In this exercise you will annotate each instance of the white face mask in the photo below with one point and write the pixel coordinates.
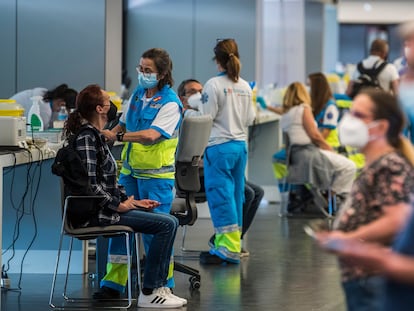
(353, 131)
(194, 101)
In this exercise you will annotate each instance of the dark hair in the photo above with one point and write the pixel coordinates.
(163, 63)
(181, 87)
(320, 92)
(86, 102)
(62, 92)
(227, 55)
(386, 107)
(379, 47)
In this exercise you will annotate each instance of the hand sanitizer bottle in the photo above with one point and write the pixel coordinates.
(34, 119)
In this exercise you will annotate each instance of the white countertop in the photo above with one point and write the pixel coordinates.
(264, 116)
(31, 154)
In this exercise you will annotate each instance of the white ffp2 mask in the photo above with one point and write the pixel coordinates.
(353, 131)
(194, 101)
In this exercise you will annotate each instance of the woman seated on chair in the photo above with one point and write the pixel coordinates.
(92, 107)
(313, 159)
(327, 114)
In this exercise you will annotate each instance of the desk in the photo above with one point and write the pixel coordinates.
(41, 257)
(265, 138)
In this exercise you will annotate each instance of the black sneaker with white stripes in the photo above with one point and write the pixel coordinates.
(160, 298)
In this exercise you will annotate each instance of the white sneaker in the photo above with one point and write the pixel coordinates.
(169, 293)
(159, 299)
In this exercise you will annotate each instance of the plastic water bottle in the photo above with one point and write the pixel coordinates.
(63, 114)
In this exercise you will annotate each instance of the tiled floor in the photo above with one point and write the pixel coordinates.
(285, 271)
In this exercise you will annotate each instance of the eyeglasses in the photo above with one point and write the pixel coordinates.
(146, 72)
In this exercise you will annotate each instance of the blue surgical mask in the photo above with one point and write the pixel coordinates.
(148, 80)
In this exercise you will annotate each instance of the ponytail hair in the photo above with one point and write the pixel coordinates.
(72, 124)
(227, 55)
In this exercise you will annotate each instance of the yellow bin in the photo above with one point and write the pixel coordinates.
(10, 108)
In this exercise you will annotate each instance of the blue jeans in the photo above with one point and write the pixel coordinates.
(364, 294)
(163, 228)
(157, 189)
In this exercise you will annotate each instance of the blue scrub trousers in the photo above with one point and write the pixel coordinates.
(224, 170)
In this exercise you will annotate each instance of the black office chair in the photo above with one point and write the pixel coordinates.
(193, 139)
(90, 233)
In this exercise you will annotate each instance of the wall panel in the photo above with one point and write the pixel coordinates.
(60, 41)
(8, 47)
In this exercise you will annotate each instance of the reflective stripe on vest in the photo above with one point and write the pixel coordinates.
(155, 161)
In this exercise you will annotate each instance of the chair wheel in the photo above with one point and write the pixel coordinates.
(195, 282)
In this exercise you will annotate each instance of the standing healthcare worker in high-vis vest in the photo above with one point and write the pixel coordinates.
(149, 129)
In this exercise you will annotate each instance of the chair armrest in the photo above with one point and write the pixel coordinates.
(185, 210)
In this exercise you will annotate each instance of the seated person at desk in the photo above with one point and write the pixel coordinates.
(92, 110)
(328, 110)
(323, 168)
(60, 96)
(189, 92)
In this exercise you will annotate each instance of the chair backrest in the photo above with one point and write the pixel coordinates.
(193, 139)
(90, 232)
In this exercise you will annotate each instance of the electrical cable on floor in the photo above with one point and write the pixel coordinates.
(40, 163)
(20, 211)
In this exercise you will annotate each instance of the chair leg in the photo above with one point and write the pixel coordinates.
(137, 246)
(332, 203)
(183, 238)
(194, 252)
(67, 269)
(129, 290)
(52, 290)
(320, 201)
(84, 300)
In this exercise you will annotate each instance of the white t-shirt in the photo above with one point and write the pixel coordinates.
(292, 124)
(230, 104)
(166, 120)
(387, 75)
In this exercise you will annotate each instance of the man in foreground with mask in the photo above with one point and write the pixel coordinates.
(379, 203)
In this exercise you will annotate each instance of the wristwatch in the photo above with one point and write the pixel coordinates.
(120, 136)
